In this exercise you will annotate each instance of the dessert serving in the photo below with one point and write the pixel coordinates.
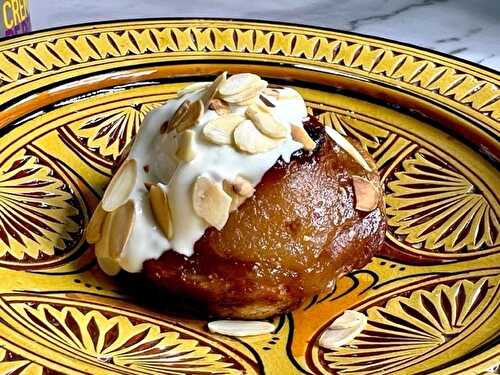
(231, 196)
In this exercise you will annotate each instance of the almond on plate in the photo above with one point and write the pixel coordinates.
(120, 187)
(239, 191)
(214, 88)
(176, 117)
(120, 229)
(196, 86)
(158, 199)
(249, 139)
(238, 83)
(219, 106)
(343, 330)
(211, 202)
(347, 146)
(240, 328)
(366, 193)
(266, 123)
(186, 150)
(300, 135)
(220, 130)
(94, 227)
(193, 114)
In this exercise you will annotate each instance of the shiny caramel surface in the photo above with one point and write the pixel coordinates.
(290, 240)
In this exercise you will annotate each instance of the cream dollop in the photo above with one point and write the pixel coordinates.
(157, 163)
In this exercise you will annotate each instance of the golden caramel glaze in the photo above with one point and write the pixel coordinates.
(292, 239)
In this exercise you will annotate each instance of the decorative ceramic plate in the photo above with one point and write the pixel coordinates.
(71, 100)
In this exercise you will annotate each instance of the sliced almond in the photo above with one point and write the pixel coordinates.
(340, 334)
(161, 210)
(243, 187)
(210, 202)
(287, 93)
(366, 193)
(176, 117)
(193, 114)
(236, 199)
(249, 139)
(109, 266)
(94, 227)
(186, 150)
(102, 246)
(220, 107)
(220, 130)
(349, 319)
(214, 88)
(122, 224)
(271, 92)
(239, 191)
(250, 101)
(266, 123)
(247, 95)
(300, 135)
(240, 328)
(120, 187)
(238, 83)
(193, 87)
(347, 147)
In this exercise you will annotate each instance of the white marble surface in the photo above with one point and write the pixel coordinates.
(469, 29)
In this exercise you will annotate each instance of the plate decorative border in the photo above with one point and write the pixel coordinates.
(51, 296)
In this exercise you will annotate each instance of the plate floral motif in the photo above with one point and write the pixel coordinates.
(38, 216)
(409, 329)
(72, 100)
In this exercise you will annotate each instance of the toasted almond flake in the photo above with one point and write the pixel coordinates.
(250, 101)
(238, 83)
(349, 319)
(193, 114)
(197, 86)
(243, 187)
(220, 130)
(122, 224)
(158, 199)
(239, 191)
(284, 94)
(120, 187)
(300, 135)
(347, 147)
(186, 150)
(249, 139)
(220, 107)
(271, 92)
(247, 95)
(266, 123)
(236, 199)
(94, 227)
(179, 113)
(102, 246)
(109, 266)
(214, 88)
(366, 193)
(240, 328)
(343, 332)
(210, 202)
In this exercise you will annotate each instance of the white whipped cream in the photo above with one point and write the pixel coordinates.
(155, 152)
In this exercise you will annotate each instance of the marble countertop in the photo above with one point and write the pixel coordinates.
(463, 28)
